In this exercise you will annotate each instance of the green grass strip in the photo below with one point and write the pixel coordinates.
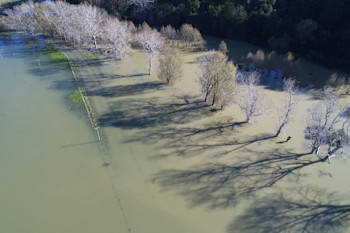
(75, 97)
(56, 54)
(89, 55)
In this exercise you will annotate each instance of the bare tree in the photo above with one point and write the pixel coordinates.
(117, 35)
(289, 102)
(217, 77)
(250, 99)
(91, 22)
(328, 126)
(151, 42)
(170, 66)
(22, 17)
(64, 19)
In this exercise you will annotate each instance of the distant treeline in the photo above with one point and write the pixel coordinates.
(318, 29)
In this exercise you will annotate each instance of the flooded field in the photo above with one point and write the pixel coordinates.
(175, 164)
(52, 175)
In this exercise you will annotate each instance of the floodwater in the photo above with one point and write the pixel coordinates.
(52, 177)
(176, 165)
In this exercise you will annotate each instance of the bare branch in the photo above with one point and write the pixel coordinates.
(250, 99)
(290, 100)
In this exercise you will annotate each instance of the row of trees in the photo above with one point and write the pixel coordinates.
(81, 24)
(86, 24)
(328, 122)
(217, 77)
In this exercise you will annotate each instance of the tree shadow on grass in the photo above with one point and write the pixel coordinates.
(218, 185)
(310, 210)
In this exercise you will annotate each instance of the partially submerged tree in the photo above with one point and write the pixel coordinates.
(22, 18)
(328, 126)
(151, 42)
(91, 22)
(217, 77)
(170, 66)
(290, 90)
(250, 98)
(46, 19)
(64, 15)
(117, 36)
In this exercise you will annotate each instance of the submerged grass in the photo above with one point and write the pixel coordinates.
(89, 55)
(75, 97)
(56, 54)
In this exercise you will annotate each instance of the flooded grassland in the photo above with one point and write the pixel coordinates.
(175, 164)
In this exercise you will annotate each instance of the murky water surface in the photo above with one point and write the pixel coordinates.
(52, 175)
(176, 165)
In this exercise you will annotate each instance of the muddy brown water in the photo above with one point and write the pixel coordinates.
(176, 165)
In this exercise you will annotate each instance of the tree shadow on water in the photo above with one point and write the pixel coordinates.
(125, 90)
(310, 210)
(218, 185)
(217, 138)
(151, 112)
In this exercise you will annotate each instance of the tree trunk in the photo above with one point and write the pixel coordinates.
(280, 129)
(95, 42)
(150, 65)
(206, 97)
(214, 99)
(285, 119)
